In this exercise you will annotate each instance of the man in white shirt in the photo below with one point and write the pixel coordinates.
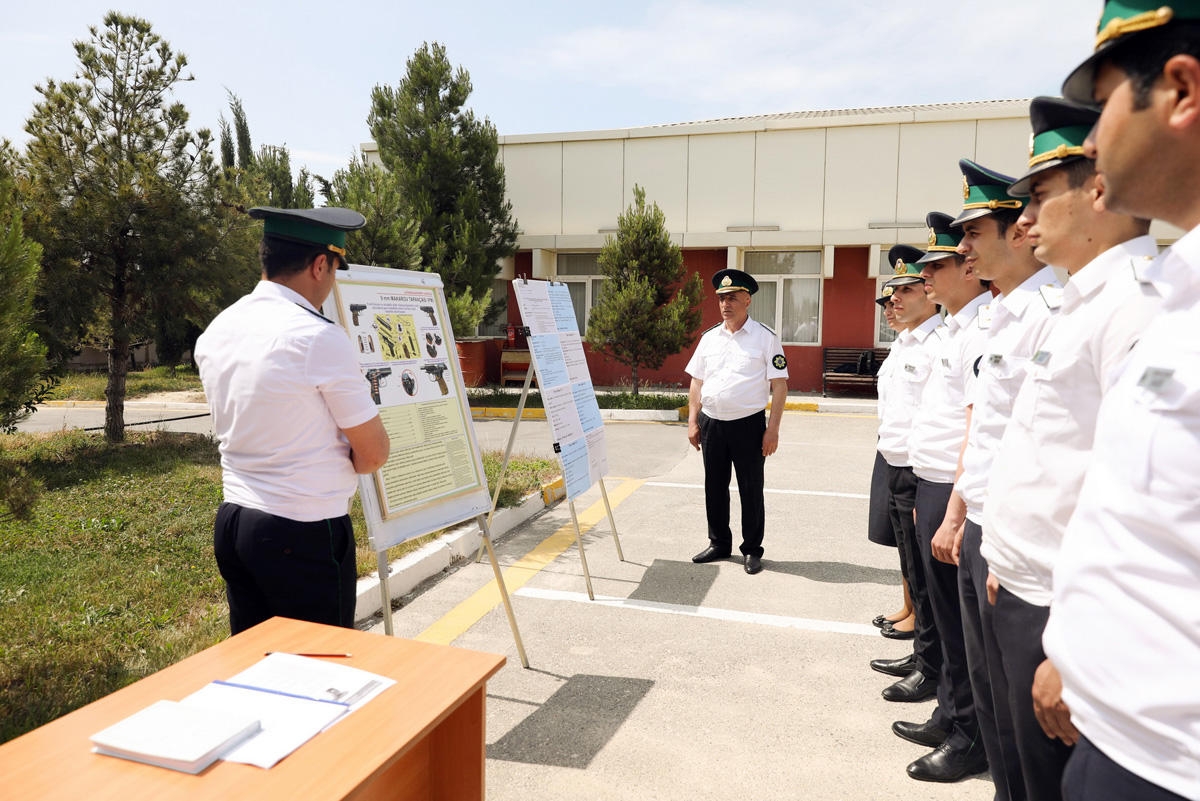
(1038, 469)
(995, 244)
(736, 366)
(1124, 626)
(933, 447)
(296, 422)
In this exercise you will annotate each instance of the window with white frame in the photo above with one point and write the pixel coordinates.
(789, 293)
(884, 335)
(581, 273)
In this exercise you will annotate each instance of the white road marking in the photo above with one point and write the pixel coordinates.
(853, 495)
(778, 621)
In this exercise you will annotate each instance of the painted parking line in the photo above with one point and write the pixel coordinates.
(733, 487)
(469, 612)
(730, 615)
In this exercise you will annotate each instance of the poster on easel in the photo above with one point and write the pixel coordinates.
(434, 477)
(556, 351)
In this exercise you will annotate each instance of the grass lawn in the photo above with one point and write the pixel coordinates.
(114, 578)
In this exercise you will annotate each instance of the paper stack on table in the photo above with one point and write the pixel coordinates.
(176, 735)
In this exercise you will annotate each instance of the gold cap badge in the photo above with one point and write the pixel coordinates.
(726, 281)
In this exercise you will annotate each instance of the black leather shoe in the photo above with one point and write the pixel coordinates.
(710, 554)
(926, 734)
(881, 622)
(947, 764)
(896, 634)
(753, 564)
(913, 687)
(895, 667)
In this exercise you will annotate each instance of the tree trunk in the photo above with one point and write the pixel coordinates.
(118, 365)
(635, 380)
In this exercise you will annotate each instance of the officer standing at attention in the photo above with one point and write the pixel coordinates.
(737, 364)
(1123, 630)
(296, 422)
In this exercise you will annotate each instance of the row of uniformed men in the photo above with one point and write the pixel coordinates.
(1041, 444)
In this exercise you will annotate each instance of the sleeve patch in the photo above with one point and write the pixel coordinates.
(779, 362)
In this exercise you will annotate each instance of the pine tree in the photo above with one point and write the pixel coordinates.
(446, 166)
(647, 311)
(389, 239)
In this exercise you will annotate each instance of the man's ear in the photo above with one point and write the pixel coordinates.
(1181, 77)
(1018, 233)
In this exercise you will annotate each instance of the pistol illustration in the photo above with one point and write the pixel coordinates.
(429, 310)
(383, 323)
(377, 377)
(408, 382)
(355, 308)
(436, 372)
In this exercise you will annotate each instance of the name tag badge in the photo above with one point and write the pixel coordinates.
(995, 359)
(910, 368)
(1041, 358)
(1155, 378)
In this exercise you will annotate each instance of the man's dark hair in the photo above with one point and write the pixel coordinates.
(1078, 171)
(1004, 218)
(1143, 57)
(282, 257)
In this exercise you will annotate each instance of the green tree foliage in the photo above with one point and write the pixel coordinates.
(23, 367)
(390, 238)
(447, 170)
(122, 197)
(647, 311)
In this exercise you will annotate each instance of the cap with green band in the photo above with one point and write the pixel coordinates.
(943, 237)
(906, 260)
(1059, 129)
(984, 191)
(1120, 23)
(325, 226)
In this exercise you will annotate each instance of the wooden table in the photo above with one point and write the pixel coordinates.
(422, 738)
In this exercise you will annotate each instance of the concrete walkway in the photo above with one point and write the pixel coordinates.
(685, 681)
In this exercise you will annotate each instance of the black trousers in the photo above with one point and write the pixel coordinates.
(274, 566)
(727, 447)
(955, 701)
(989, 686)
(927, 648)
(1018, 628)
(1091, 776)
(880, 529)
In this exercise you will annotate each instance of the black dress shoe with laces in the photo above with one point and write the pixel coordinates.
(895, 667)
(913, 687)
(927, 734)
(948, 764)
(710, 554)
(753, 564)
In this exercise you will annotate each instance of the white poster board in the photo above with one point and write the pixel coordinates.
(434, 476)
(565, 383)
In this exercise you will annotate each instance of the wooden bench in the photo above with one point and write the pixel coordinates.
(840, 368)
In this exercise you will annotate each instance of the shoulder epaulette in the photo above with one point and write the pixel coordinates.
(983, 318)
(318, 315)
(1052, 295)
(1140, 266)
(711, 327)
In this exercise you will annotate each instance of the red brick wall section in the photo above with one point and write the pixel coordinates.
(849, 321)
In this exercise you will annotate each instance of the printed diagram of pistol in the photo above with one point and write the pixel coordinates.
(437, 375)
(431, 343)
(377, 377)
(397, 336)
(366, 343)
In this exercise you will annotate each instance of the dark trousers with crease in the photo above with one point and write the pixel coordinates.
(728, 447)
(927, 648)
(274, 566)
(955, 701)
(1092, 775)
(989, 685)
(1018, 627)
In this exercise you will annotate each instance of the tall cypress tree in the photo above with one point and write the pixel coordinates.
(446, 166)
(647, 310)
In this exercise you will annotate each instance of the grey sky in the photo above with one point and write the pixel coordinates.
(305, 70)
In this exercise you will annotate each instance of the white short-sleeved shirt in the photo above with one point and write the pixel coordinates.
(1019, 320)
(281, 381)
(914, 362)
(736, 369)
(938, 431)
(1124, 627)
(886, 373)
(1038, 469)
